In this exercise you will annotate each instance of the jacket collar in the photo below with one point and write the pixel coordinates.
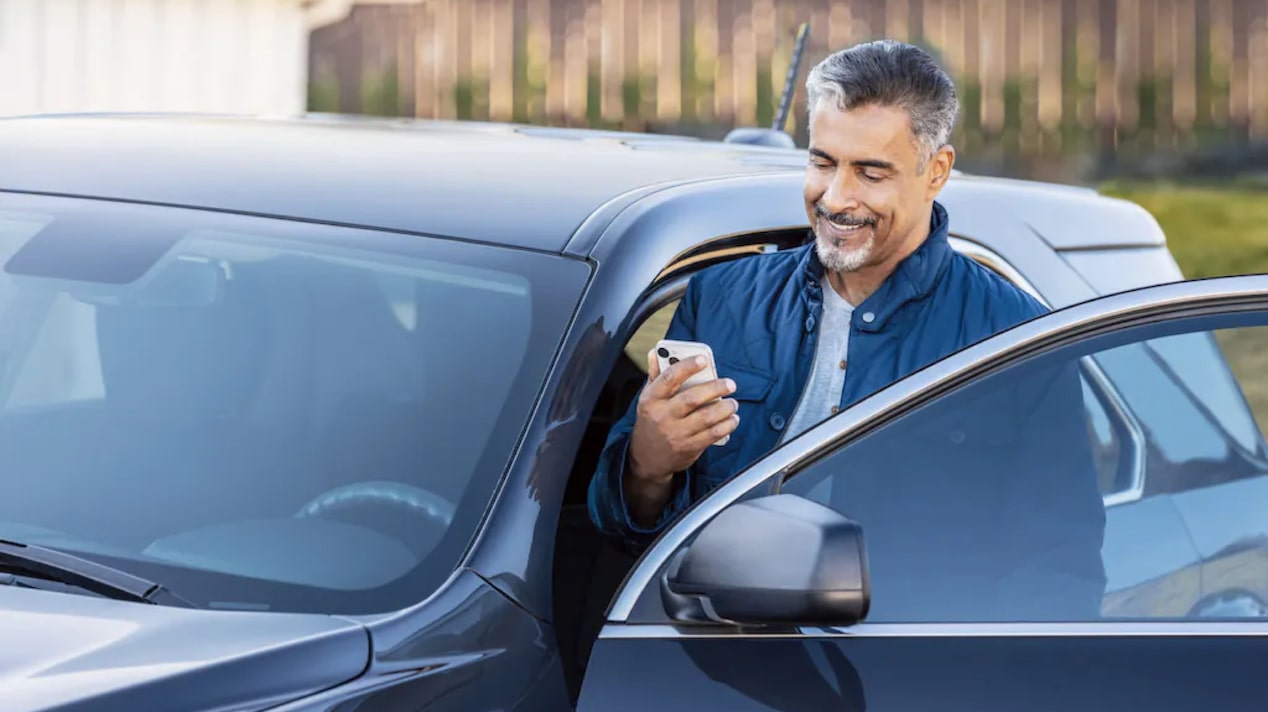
(914, 278)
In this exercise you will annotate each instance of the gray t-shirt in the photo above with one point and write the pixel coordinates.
(827, 376)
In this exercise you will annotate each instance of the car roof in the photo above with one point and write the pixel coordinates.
(509, 184)
(500, 183)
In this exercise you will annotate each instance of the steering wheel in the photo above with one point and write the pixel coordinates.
(413, 500)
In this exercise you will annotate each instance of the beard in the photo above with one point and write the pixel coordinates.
(839, 258)
(835, 254)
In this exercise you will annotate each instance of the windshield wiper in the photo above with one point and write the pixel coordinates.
(51, 565)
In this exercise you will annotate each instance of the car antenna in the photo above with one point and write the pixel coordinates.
(775, 135)
(790, 85)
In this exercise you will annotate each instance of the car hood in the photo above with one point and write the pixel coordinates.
(69, 652)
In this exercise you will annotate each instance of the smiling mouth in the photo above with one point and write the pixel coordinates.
(839, 232)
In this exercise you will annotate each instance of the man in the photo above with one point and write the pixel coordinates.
(801, 334)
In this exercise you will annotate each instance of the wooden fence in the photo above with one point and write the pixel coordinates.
(1037, 77)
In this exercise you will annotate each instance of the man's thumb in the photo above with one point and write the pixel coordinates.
(653, 366)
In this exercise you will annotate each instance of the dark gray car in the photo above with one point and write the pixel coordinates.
(299, 415)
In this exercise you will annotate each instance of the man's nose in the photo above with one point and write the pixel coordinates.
(841, 195)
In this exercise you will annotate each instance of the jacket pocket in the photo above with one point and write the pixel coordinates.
(750, 385)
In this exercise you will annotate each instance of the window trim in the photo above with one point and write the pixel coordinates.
(661, 294)
(1137, 447)
(1116, 629)
(1173, 301)
(993, 261)
(725, 248)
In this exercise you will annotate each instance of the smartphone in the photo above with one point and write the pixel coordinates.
(670, 352)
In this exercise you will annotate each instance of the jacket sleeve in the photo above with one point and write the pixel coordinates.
(606, 496)
(1054, 517)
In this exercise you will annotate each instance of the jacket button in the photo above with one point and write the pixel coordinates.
(777, 421)
(810, 323)
(869, 317)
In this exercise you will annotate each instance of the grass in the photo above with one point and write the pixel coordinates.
(1212, 230)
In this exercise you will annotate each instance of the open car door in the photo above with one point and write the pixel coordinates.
(1072, 514)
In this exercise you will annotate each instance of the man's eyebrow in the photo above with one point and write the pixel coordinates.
(873, 163)
(861, 163)
(818, 153)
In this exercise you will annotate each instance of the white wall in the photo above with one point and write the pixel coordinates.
(237, 56)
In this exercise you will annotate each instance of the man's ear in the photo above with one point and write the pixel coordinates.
(939, 170)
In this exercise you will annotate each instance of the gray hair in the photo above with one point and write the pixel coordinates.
(895, 74)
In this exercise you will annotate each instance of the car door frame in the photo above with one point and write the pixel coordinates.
(628, 615)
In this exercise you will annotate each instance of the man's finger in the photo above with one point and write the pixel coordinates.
(692, 398)
(653, 366)
(710, 415)
(672, 378)
(709, 436)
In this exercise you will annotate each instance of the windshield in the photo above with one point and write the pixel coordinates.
(262, 414)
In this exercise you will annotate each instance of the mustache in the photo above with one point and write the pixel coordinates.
(843, 219)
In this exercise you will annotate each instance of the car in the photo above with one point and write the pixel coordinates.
(299, 414)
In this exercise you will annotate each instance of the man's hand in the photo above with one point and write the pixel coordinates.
(671, 430)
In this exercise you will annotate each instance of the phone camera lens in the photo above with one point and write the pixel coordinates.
(662, 352)
(672, 361)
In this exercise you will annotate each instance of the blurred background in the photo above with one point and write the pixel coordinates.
(1161, 101)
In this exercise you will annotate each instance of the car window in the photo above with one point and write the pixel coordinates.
(984, 503)
(258, 413)
(1194, 359)
(1196, 363)
(1109, 438)
(1185, 446)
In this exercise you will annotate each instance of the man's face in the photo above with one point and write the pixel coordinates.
(865, 189)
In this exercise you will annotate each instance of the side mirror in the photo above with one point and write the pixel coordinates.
(779, 559)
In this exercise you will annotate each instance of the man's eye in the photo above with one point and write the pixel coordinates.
(873, 177)
(821, 165)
